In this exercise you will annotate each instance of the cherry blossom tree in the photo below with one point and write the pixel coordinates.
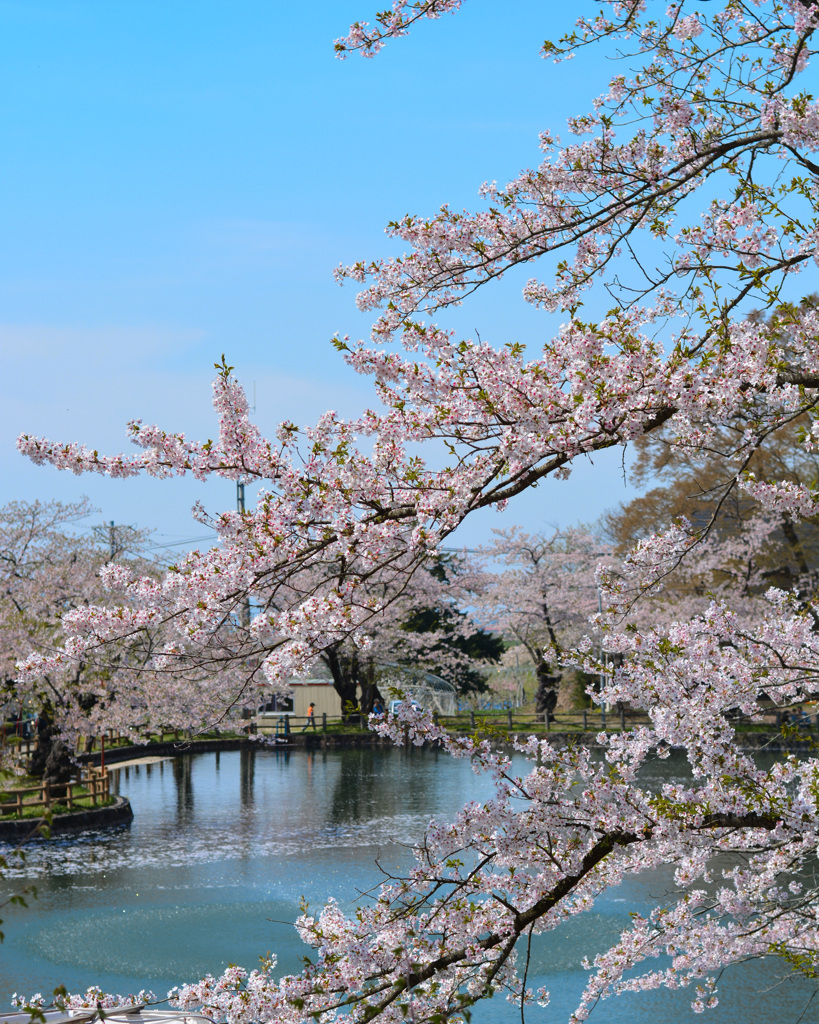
(46, 568)
(743, 548)
(685, 199)
(542, 595)
(49, 568)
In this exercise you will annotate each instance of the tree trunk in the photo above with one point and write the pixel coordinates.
(546, 697)
(350, 676)
(369, 689)
(343, 681)
(51, 760)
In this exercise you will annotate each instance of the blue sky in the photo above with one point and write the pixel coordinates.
(180, 181)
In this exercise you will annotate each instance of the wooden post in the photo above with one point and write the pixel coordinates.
(509, 716)
(603, 719)
(102, 753)
(472, 720)
(323, 721)
(585, 722)
(19, 803)
(622, 720)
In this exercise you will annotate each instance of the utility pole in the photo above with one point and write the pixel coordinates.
(604, 655)
(244, 606)
(109, 533)
(244, 609)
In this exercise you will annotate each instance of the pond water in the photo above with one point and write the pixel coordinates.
(224, 846)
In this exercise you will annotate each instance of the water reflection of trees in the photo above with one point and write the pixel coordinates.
(247, 775)
(373, 782)
(182, 774)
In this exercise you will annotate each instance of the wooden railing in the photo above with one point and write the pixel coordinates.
(95, 782)
(601, 720)
(23, 746)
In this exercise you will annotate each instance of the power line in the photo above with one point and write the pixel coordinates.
(178, 543)
(109, 532)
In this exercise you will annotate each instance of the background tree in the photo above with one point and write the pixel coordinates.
(460, 650)
(542, 594)
(46, 569)
(743, 547)
(53, 565)
(423, 626)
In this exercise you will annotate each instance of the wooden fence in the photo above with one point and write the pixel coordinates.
(512, 720)
(95, 782)
(108, 740)
(594, 719)
(283, 724)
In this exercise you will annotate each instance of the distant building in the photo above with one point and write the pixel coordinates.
(320, 692)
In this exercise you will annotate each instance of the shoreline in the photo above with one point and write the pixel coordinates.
(117, 813)
(772, 740)
(121, 812)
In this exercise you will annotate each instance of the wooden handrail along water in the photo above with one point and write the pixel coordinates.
(95, 781)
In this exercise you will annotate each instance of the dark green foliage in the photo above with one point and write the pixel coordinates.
(476, 646)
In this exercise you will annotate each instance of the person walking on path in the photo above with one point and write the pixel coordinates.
(311, 718)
